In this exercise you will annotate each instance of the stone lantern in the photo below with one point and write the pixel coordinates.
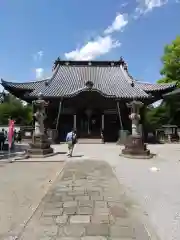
(40, 146)
(135, 146)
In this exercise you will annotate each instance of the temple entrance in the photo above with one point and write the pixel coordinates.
(111, 127)
(65, 126)
(89, 123)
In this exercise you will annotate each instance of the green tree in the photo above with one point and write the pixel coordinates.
(168, 112)
(13, 107)
(156, 117)
(171, 63)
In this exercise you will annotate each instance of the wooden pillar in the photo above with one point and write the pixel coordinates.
(119, 114)
(33, 112)
(102, 122)
(74, 122)
(59, 112)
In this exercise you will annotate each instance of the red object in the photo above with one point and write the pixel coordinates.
(10, 132)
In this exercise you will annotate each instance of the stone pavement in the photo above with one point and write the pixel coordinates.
(86, 202)
(157, 193)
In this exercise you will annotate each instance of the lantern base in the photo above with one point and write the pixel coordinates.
(40, 147)
(136, 148)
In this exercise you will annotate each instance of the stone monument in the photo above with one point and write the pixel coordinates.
(135, 146)
(40, 146)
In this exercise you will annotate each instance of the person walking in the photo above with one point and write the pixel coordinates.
(71, 140)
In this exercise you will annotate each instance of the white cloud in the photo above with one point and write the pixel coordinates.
(118, 24)
(150, 4)
(145, 6)
(124, 4)
(38, 56)
(103, 44)
(39, 73)
(93, 49)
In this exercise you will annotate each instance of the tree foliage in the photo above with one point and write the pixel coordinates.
(168, 112)
(156, 117)
(13, 107)
(171, 63)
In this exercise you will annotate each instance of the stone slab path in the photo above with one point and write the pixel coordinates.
(86, 202)
(156, 192)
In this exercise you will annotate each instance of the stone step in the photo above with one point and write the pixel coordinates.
(89, 141)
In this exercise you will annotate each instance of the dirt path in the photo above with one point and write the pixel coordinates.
(22, 186)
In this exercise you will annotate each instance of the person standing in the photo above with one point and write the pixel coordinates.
(19, 137)
(71, 140)
(2, 139)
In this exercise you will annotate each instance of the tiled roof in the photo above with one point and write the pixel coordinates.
(150, 87)
(110, 79)
(24, 86)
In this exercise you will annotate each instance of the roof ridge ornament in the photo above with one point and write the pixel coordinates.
(56, 63)
(125, 67)
(89, 85)
(123, 64)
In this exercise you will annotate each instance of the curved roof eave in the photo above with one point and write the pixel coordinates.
(103, 94)
(85, 89)
(155, 87)
(77, 92)
(28, 86)
(175, 92)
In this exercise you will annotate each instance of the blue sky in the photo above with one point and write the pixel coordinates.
(35, 32)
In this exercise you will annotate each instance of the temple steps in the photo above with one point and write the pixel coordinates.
(89, 141)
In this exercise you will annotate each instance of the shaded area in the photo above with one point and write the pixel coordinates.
(18, 150)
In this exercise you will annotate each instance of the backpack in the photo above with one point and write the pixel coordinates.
(74, 139)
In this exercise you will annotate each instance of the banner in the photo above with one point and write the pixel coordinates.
(11, 132)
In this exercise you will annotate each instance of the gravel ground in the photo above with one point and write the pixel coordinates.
(157, 192)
